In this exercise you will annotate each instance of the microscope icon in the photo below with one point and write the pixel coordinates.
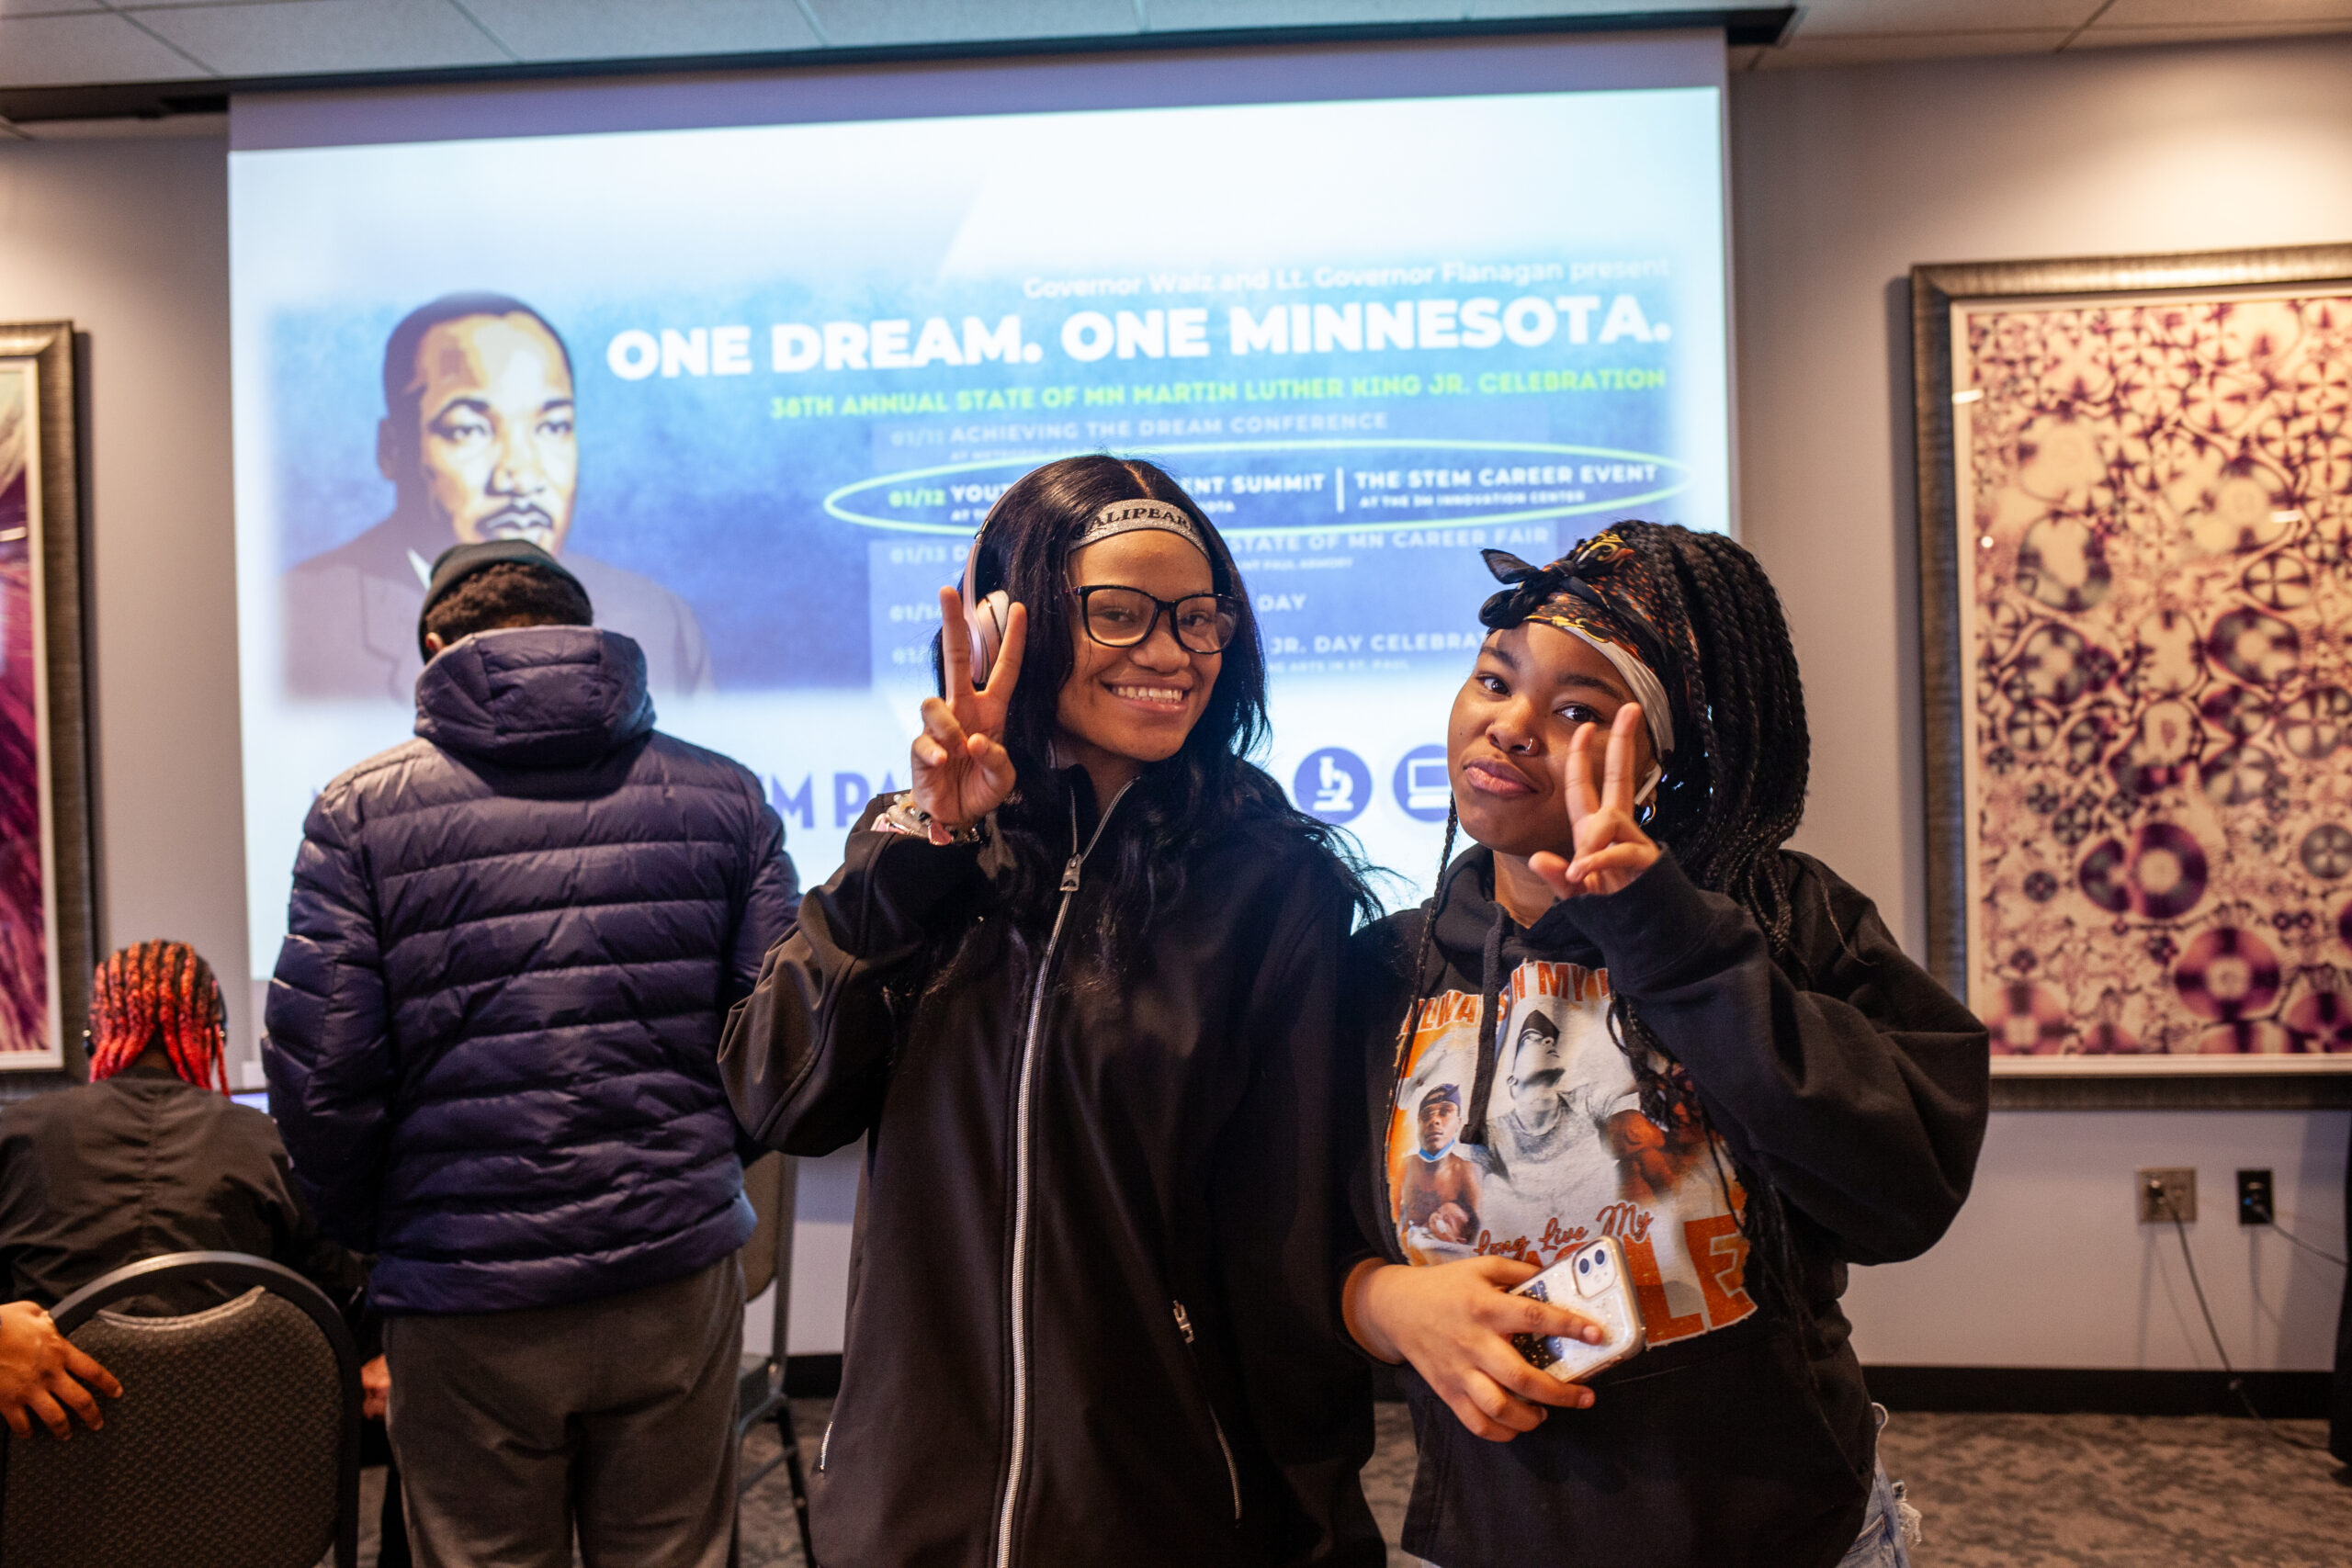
(1332, 783)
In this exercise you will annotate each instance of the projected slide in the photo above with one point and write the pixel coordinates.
(758, 386)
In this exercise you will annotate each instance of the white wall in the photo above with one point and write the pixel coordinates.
(128, 238)
(1842, 180)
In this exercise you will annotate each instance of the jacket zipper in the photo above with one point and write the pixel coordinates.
(1232, 1473)
(1019, 1285)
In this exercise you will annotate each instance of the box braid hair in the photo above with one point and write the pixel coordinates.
(1698, 610)
(1733, 797)
(159, 990)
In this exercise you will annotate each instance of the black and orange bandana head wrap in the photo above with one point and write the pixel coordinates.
(1601, 593)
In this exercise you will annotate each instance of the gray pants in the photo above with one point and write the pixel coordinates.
(616, 1415)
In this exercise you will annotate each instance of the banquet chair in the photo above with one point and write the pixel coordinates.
(235, 1443)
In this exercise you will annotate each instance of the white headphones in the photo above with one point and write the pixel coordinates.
(987, 615)
(984, 617)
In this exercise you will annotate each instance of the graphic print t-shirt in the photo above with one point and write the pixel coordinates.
(1570, 1155)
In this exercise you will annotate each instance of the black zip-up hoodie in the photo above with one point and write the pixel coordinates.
(1860, 1095)
(1173, 1386)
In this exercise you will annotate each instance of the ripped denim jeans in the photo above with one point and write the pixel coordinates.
(1891, 1528)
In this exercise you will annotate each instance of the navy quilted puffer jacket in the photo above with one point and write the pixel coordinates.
(512, 945)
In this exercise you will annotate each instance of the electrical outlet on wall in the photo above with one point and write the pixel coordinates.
(2257, 1205)
(2178, 1186)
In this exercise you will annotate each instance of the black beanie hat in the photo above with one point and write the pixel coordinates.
(458, 562)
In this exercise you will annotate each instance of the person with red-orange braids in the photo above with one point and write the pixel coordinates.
(152, 1156)
(159, 992)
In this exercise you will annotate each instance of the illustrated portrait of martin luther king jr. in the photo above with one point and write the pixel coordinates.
(480, 442)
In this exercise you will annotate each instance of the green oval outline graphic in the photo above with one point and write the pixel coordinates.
(1340, 523)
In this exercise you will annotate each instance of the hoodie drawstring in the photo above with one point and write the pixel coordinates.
(1490, 985)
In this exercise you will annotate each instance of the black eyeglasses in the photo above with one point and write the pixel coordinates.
(1125, 617)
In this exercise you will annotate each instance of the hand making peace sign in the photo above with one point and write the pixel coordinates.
(962, 771)
(1611, 848)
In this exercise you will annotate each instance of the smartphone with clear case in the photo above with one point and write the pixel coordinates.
(1591, 1280)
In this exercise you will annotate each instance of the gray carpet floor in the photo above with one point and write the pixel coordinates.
(2121, 1491)
(1997, 1491)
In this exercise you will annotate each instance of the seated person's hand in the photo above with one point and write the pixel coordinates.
(37, 1369)
(375, 1388)
(1453, 1322)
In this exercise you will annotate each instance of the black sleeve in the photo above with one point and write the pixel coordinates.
(1282, 1227)
(1373, 1000)
(298, 1243)
(770, 898)
(805, 1057)
(19, 1202)
(1861, 1095)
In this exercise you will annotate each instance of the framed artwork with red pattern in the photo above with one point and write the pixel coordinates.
(2135, 535)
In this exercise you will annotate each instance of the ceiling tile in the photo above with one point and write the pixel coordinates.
(46, 7)
(1208, 15)
(2118, 38)
(864, 23)
(627, 30)
(1853, 49)
(62, 51)
(1872, 17)
(2220, 13)
(297, 36)
(1479, 10)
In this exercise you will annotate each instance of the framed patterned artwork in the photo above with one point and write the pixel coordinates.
(2135, 541)
(45, 873)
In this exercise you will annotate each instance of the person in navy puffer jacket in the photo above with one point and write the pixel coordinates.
(512, 945)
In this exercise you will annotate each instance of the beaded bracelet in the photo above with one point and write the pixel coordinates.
(903, 816)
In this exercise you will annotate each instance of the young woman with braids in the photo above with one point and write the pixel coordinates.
(150, 1155)
(1734, 1070)
(1077, 991)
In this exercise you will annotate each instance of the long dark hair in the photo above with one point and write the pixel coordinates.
(1209, 788)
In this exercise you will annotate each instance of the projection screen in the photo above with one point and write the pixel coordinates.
(1376, 309)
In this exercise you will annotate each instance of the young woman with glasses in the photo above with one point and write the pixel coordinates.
(1077, 988)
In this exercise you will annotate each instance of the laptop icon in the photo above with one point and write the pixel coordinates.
(1426, 788)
